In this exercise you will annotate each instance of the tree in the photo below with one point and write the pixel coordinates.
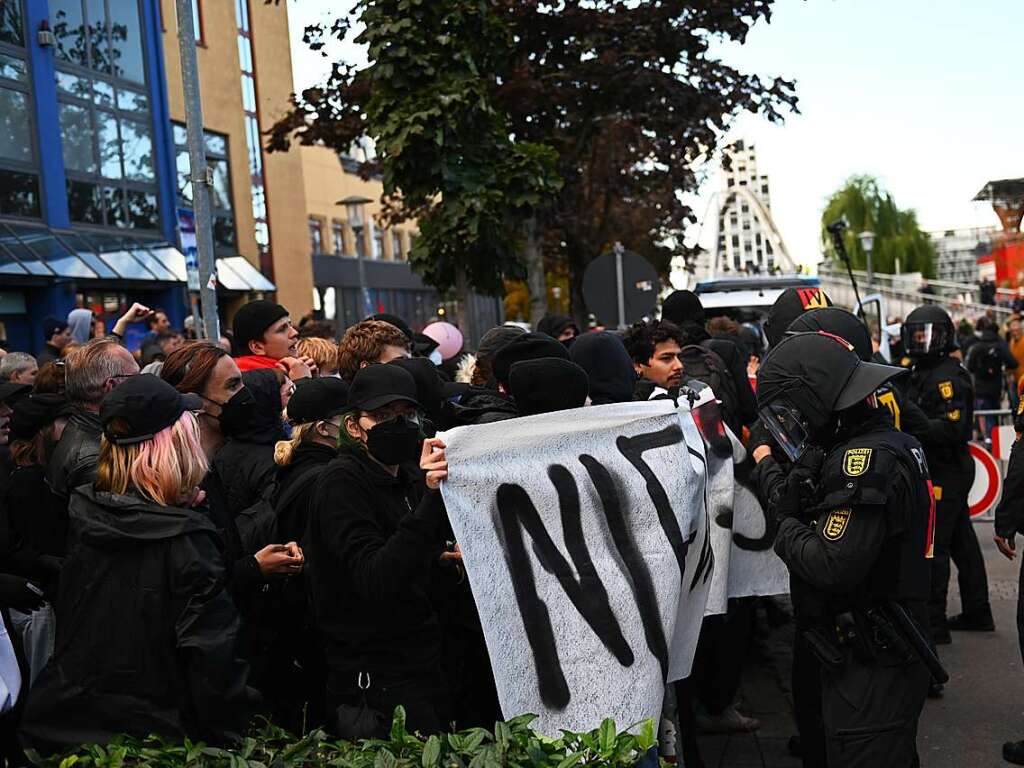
(898, 238)
(446, 156)
(585, 120)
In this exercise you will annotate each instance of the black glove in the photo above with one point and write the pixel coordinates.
(20, 594)
(759, 436)
(801, 486)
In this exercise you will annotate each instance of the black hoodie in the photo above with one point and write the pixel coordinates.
(608, 365)
(146, 634)
(245, 463)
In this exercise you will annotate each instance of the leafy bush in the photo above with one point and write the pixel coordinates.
(510, 745)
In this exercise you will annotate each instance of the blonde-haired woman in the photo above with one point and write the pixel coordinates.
(146, 634)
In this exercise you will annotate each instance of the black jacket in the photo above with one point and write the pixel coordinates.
(245, 463)
(146, 634)
(370, 551)
(47, 354)
(480, 405)
(73, 462)
(1010, 512)
(296, 484)
(983, 385)
(735, 359)
(943, 390)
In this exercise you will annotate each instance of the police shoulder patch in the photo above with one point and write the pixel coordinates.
(856, 461)
(1020, 406)
(946, 390)
(835, 524)
(954, 415)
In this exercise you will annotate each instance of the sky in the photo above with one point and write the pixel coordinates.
(923, 94)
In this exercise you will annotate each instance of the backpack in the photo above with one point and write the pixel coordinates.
(706, 366)
(985, 362)
(257, 524)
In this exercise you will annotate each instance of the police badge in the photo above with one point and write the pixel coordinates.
(835, 524)
(946, 390)
(856, 461)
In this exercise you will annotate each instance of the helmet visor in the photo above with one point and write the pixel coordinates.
(788, 426)
(925, 338)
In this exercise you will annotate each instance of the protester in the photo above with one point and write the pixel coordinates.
(18, 368)
(80, 325)
(91, 372)
(608, 366)
(323, 352)
(526, 346)
(245, 462)
(987, 360)
(264, 337)
(560, 327)
(371, 341)
(372, 542)
(57, 335)
(146, 634)
(654, 348)
(479, 370)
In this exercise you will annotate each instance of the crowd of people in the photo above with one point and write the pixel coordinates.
(202, 532)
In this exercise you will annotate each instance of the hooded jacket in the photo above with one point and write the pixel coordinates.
(245, 463)
(80, 323)
(73, 462)
(480, 405)
(146, 634)
(371, 544)
(608, 365)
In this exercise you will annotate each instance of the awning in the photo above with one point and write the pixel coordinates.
(235, 273)
(86, 255)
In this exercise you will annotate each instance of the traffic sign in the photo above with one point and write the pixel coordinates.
(988, 481)
(620, 287)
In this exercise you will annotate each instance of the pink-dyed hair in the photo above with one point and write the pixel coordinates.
(162, 469)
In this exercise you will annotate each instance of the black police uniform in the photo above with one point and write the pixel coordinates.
(865, 550)
(942, 387)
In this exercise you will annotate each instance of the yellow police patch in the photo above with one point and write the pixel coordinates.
(1020, 406)
(835, 524)
(906, 362)
(946, 390)
(954, 415)
(856, 461)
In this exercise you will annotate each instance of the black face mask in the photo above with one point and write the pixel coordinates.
(395, 441)
(236, 413)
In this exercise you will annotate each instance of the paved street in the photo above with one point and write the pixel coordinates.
(983, 706)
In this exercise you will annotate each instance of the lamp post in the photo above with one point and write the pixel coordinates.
(354, 206)
(867, 242)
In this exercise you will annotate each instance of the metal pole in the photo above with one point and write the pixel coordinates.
(202, 175)
(364, 292)
(621, 289)
(871, 272)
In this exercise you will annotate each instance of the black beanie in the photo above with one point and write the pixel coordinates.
(528, 346)
(681, 307)
(394, 320)
(548, 384)
(792, 303)
(252, 320)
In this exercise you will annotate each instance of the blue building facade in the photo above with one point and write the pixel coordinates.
(88, 198)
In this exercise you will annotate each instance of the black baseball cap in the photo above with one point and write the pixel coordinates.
(11, 391)
(318, 399)
(143, 405)
(378, 385)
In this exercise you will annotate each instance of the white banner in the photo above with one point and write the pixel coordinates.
(585, 537)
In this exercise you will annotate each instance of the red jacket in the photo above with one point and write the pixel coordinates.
(254, 362)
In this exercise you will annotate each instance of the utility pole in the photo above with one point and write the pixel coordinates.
(201, 174)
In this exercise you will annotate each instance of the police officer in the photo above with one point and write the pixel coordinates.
(854, 529)
(943, 389)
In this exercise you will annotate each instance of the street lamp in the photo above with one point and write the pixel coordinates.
(354, 206)
(867, 242)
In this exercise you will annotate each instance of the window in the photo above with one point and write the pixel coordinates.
(261, 223)
(225, 237)
(338, 237)
(316, 236)
(197, 21)
(396, 245)
(106, 126)
(19, 178)
(764, 189)
(378, 243)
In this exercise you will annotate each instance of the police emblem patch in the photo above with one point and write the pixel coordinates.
(954, 415)
(856, 461)
(946, 390)
(1020, 406)
(835, 524)
(813, 298)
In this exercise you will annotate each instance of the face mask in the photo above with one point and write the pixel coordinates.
(395, 441)
(236, 413)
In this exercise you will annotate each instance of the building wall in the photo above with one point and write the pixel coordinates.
(220, 79)
(957, 252)
(743, 244)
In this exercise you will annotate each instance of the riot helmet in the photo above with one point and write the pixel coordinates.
(928, 332)
(835, 320)
(792, 303)
(805, 380)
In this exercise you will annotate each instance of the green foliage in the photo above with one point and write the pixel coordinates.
(897, 235)
(510, 745)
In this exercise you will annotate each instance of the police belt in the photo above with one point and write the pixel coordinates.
(885, 632)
